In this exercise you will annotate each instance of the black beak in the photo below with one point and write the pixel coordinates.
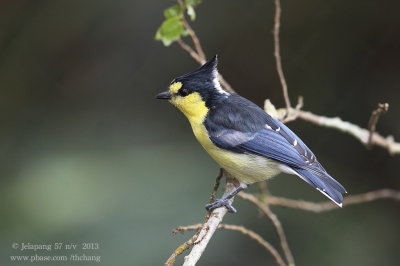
(164, 95)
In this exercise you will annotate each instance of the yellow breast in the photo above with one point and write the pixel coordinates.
(244, 167)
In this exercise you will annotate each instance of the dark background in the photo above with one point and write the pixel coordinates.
(88, 155)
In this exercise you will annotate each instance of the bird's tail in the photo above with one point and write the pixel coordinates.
(324, 183)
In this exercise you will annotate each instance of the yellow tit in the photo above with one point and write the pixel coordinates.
(242, 138)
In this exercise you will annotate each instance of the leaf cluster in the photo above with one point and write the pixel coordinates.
(173, 28)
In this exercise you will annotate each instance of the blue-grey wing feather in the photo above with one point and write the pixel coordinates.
(248, 129)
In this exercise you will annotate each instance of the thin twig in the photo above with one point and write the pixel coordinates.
(225, 84)
(247, 232)
(359, 133)
(182, 229)
(216, 185)
(193, 36)
(190, 50)
(198, 52)
(189, 243)
(372, 138)
(373, 120)
(356, 131)
(179, 250)
(277, 54)
(294, 115)
(328, 205)
(253, 235)
(195, 40)
(263, 186)
(264, 208)
(208, 229)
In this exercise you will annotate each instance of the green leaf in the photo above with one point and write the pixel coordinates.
(191, 13)
(170, 30)
(192, 2)
(173, 11)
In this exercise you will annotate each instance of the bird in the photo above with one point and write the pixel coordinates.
(242, 138)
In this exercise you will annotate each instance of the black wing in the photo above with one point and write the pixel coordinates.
(241, 126)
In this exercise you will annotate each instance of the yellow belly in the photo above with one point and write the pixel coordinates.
(244, 167)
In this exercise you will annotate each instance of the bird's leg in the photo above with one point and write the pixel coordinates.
(225, 200)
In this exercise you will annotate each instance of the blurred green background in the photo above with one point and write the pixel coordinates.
(88, 155)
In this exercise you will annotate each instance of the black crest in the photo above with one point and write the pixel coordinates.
(204, 80)
(203, 74)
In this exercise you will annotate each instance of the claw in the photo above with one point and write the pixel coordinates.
(220, 203)
(225, 201)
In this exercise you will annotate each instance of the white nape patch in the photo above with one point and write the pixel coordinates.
(295, 142)
(268, 127)
(286, 169)
(278, 129)
(217, 85)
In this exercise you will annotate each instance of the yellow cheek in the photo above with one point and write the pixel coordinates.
(193, 107)
(174, 87)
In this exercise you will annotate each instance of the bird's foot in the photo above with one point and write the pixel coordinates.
(220, 203)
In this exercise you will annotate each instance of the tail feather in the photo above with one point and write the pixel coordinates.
(325, 184)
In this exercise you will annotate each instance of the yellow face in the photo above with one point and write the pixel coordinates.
(191, 105)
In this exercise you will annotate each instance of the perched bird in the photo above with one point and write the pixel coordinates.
(242, 138)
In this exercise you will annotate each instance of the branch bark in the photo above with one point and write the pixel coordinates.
(277, 54)
(179, 250)
(207, 230)
(264, 208)
(189, 243)
(373, 120)
(356, 131)
(247, 232)
(328, 205)
(361, 134)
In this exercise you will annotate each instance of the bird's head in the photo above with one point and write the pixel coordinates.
(196, 92)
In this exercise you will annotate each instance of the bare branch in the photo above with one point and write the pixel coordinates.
(367, 138)
(328, 205)
(263, 186)
(277, 54)
(359, 133)
(294, 115)
(190, 50)
(225, 84)
(188, 244)
(179, 250)
(198, 53)
(373, 120)
(182, 229)
(251, 234)
(213, 195)
(195, 40)
(356, 131)
(208, 229)
(264, 208)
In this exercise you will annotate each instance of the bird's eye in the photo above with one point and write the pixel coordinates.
(183, 92)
